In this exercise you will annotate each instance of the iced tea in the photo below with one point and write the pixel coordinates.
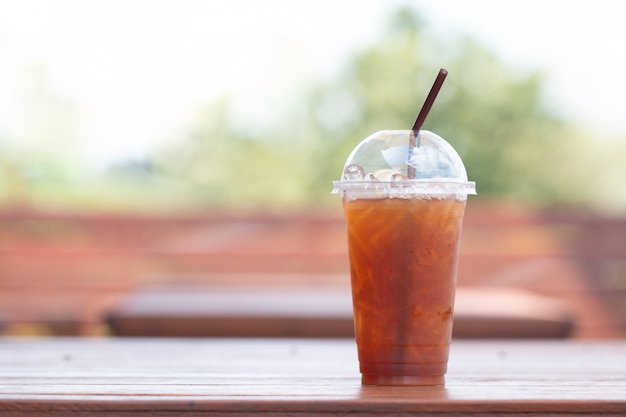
(403, 264)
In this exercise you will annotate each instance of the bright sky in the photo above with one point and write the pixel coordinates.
(138, 68)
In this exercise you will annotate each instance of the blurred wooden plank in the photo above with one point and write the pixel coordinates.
(315, 312)
(234, 312)
(577, 257)
(53, 313)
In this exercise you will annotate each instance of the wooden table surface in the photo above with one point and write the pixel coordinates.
(237, 377)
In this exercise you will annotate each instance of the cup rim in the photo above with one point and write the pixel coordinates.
(407, 187)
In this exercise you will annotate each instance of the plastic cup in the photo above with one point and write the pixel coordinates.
(403, 239)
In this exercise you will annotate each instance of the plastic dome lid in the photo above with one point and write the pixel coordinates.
(385, 165)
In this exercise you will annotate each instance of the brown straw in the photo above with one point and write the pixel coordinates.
(421, 117)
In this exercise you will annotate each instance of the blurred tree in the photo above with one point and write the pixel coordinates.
(495, 117)
(513, 144)
(225, 165)
(38, 152)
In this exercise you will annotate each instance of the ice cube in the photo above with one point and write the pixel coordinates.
(385, 174)
(398, 176)
(431, 162)
(354, 172)
(396, 155)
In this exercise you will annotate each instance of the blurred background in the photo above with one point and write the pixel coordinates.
(189, 143)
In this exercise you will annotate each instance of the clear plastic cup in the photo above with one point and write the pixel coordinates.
(404, 198)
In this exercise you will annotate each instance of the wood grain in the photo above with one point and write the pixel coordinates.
(71, 376)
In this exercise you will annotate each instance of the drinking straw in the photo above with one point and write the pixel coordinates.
(421, 117)
(401, 319)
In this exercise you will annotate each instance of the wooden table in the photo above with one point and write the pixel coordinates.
(239, 377)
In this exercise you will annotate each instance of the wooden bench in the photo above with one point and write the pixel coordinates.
(314, 312)
(42, 313)
(577, 258)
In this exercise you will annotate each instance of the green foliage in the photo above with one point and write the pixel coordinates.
(513, 145)
(494, 117)
(224, 165)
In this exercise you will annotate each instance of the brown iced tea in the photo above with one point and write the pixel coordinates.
(403, 264)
